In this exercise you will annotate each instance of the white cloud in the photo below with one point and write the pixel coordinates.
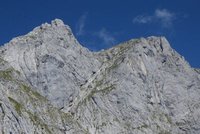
(165, 17)
(81, 25)
(162, 16)
(103, 35)
(142, 19)
(107, 38)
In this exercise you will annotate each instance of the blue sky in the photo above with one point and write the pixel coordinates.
(104, 23)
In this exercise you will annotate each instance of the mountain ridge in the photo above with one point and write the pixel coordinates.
(51, 84)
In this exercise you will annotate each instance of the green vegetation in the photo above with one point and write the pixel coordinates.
(164, 118)
(113, 66)
(32, 37)
(18, 72)
(31, 93)
(68, 117)
(126, 45)
(6, 74)
(38, 122)
(164, 132)
(99, 83)
(1, 60)
(34, 118)
(18, 106)
(33, 98)
(142, 127)
(104, 91)
(169, 119)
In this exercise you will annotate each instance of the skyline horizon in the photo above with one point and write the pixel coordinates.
(103, 24)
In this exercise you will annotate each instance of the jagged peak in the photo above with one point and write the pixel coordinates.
(46, 32)
(57, 22)
(61, 30)
(137, 81)
(158, 42)
(152, 46)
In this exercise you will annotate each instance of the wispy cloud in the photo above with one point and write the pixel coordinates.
(142, 19)
(107, 38)
(162, 16)
(81, 25)
(166, 17)
(101, 37)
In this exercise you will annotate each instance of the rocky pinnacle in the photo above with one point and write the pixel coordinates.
(49, 83)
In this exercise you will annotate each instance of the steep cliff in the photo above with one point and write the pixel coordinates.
(51, 84)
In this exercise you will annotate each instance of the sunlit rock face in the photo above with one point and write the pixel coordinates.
(49, 83)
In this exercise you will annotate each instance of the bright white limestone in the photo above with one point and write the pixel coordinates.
(51, 84)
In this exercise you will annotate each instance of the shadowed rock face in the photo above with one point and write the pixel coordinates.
(49, 83)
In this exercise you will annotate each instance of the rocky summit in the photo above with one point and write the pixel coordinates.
(49, 83)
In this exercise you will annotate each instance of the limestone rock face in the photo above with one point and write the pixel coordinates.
(49, 83)
(52, 61)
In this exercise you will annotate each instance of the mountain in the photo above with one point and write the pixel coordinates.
(49, 83)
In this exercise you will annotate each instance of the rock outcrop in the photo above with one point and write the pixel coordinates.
(49, 83)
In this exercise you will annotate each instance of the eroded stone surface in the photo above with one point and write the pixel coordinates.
(51, 84)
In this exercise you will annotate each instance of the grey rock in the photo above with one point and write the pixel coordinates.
(51, 84)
